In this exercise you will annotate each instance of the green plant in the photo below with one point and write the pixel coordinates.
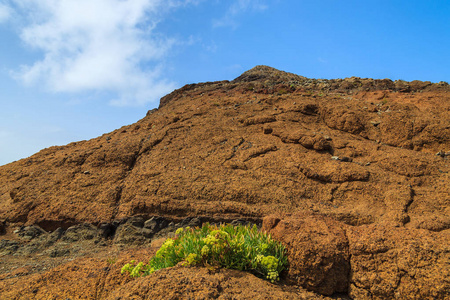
(111, 260)
(235, 247)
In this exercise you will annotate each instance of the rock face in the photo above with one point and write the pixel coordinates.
(318, 250)
(361, 165)
(399, 263)
(367, 262)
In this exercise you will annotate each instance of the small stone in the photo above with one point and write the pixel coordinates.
(343, 158)
(195, 222)
(156, 224)
(136, 221)
(129, 234)
(54, 236)
(58, 252)
(30, 232)
(442, 154)
(239, 222)
(80, 232)
(147, 233)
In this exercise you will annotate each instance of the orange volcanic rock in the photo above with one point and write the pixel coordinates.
(361, 165)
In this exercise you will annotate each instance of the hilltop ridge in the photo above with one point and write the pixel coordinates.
(267, 78)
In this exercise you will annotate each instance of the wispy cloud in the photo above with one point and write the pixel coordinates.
(238, 8)
(101, 45)
(5, 12)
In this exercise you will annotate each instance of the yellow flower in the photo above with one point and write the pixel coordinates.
(168, 243)
(205, 250)
(126, 268)
(137, 270)
(272, 276)
(210, 240)
(270, 263)
(191, 259)
(259, 257)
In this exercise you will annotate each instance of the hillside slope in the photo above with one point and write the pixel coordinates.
(369, 158)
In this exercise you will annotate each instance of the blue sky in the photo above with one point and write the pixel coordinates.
(72, 70)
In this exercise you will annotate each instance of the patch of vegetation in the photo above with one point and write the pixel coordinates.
(111, 260)
(234, 247)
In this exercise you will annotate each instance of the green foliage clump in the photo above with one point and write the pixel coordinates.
(234, 247)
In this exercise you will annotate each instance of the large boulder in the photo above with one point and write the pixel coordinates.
(318, 251)
(376, 261)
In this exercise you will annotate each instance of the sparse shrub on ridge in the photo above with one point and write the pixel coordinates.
(234, 247)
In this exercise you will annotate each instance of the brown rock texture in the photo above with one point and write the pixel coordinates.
(369, 261)
(351, 174)
(399, 263)
(318, 250)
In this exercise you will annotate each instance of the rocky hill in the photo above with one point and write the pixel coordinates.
(352, 174)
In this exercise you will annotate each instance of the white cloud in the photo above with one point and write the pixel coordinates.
(237, 8)
(5, 12)
(101, 45)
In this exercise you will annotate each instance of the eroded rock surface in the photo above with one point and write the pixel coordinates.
(360, 164)
(399, 263)
(318, 251)
(376, 261)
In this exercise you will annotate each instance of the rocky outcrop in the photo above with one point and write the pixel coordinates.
(350, 159)
(134, 231)
(318, 251)
(366, 262)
